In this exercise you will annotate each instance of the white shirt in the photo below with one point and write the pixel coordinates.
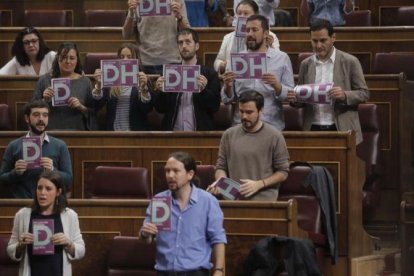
(323, 114)
(13, 67)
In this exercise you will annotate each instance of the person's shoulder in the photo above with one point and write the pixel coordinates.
(24, 211)
(229, 35)
(45, 77)
(233, 129)
(345, 55)
(163, 193)
(53, 139)
(15, 142)
(204, 194)
(70, 212)
(268, 128)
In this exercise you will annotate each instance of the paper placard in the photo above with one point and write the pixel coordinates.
(228, 188)
(32, 151)
(119, 72)
(43, 230)
(161, 212)
(248, 65)
(154, 8)
(313, 93)
(181, 78)
(61, 88)
(241, 27)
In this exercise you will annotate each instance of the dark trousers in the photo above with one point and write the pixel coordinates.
(198, 272)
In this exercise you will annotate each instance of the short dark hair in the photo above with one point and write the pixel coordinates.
(187, 31)
(263, 20)
(250, 3)
(320, 24)
(252, 96)
(188, 162)
(61, 201)
(63, 50)
(18, 51)
(35, 104)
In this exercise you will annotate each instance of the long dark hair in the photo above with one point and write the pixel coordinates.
(63, 50)
(61, 201)
(18, 47)
(189, 164)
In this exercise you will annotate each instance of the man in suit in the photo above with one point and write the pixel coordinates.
(330, 65)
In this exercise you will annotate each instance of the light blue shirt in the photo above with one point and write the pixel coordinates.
(278, 63)
(194, 231)
(331, 10)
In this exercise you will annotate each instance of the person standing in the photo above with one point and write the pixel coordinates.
(197, 235)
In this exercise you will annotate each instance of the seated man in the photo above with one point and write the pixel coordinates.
(197, 225)
(330, 65)
(253, 152)
(55, 155)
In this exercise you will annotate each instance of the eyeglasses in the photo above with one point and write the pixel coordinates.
(32, 41)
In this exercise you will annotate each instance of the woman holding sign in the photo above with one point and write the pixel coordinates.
(126, 106)
(68, 92)
(46, 237)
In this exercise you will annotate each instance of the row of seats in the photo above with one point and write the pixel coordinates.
(116, 18)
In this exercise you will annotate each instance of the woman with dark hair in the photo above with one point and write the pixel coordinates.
(31, 56)
(126, 107)
(80, 111)
(49, 204)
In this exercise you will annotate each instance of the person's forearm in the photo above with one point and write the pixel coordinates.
(274, 179)
(218, 259)
(128, 27)
(220, 173)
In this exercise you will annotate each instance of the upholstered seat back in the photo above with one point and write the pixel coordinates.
(405, 16)
(8, 267)
(358, 18)
(294, 118)
(48, 18)
(394, 63)
(131, 256)
(309, 212)
(223, 118)
(120, 182)
(105, 18)
(93, 61)
(206, 175)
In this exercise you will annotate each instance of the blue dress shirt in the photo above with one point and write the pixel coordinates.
(194, 231)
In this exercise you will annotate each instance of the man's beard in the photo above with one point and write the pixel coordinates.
(254, 47)
(34, 130)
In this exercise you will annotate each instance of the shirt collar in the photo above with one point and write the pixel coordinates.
(331, 58)
(45, 138)
(193, 196)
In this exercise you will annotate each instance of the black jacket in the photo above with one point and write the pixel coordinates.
(299, 258)
(205, 103)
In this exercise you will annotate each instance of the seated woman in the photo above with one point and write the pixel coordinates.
(31, 56)
(126, 107)
(233, 44)
(49, 204)
(80, 113)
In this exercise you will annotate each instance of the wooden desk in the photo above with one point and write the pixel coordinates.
(101, 220)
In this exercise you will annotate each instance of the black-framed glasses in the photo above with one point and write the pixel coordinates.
(31, 41)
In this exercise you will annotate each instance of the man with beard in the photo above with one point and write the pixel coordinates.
(253, 153)
(189, 111)
(197, 236)
(55, 155)
(273, 85)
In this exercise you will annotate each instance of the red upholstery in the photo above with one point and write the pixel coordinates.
(294, 117)
(105, 18)
(48, 18)
(405, 16)
(5, 120)
(223, 118)
(358, 18)
(394, 63)
(120, 182)
(206, 174)
(368, 151)
(129, 256)
(93, 61)
(8, 267)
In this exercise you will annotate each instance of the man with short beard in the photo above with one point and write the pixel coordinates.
(253, 153)
(55, 155)
(273, 85)
(189, 111)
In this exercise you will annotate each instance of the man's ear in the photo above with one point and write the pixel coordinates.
(333, 37)
(26, 118)
(197, 46)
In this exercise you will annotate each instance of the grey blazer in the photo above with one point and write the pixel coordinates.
(347, 74)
